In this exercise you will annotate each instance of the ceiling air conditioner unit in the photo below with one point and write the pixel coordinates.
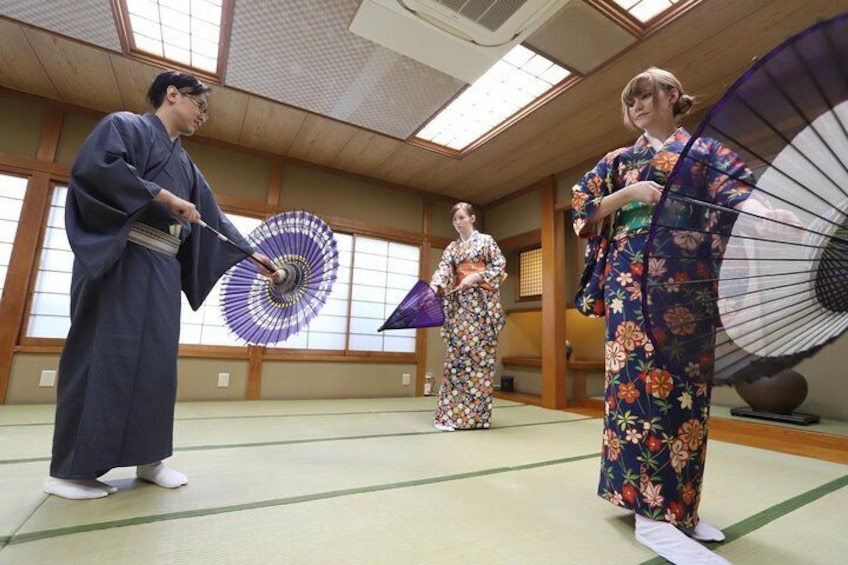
(462, 38)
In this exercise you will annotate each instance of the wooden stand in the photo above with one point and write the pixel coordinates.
(799, 418)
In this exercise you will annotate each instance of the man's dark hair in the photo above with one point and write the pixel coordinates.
(186, 83)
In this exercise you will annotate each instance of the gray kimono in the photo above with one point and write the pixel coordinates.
(118, 370)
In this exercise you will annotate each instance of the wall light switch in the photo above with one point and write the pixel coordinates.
(48, 378)
(223, 380)
(405, 379)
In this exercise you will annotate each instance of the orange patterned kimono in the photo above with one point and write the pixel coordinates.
(473, 319)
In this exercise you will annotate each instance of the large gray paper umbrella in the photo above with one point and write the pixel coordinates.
(262, 312)
(745, 290)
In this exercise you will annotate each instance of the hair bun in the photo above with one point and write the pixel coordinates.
(683, 105)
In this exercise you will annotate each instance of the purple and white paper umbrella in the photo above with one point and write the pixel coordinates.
(262, 312)
(747, 274)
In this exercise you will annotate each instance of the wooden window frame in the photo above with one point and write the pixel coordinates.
(633, 25)
(518, 296)
(122, 23)
(244, 208)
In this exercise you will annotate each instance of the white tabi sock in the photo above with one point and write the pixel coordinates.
(158, 474)
(101, 485)
(74, 489)
(443, 427)
(667, 541)
(705, 532)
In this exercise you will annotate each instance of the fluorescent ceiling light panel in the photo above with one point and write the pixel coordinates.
(645, 10)
(187, 32)
(511, 84)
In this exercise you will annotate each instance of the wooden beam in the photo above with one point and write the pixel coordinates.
(50, 134)
(273, 197)
(520, 241)
(27, 165)
(554, 375)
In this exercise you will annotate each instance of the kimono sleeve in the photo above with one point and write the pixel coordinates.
(444, 276)
(106, 190)
(203, 256)
(495, 272)
(587, 194)
(111, 162)
(729, 181)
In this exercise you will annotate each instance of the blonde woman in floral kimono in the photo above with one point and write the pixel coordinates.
(468, 278)
(655, 424)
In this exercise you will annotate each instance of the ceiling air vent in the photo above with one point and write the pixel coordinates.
(462, 38)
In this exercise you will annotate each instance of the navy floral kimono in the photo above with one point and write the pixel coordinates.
(655, 421)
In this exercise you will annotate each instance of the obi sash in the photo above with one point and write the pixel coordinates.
(470, 267)
(152, 238)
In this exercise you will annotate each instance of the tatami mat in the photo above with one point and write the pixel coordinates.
(370, 481)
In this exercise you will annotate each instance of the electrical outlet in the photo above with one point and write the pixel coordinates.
(405, 379)
(48, 378)
(223, 380)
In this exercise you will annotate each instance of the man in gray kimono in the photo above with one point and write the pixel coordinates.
(134, 198)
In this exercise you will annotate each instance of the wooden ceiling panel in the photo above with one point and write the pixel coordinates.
(410, 162)
(320, 139)
(270, 126)
(133, 80)
(365, 152)
(227, 108)
(21, 70)
(82, 75)
(448, 171)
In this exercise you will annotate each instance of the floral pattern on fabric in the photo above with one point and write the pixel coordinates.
(655, 422)
(473, 319)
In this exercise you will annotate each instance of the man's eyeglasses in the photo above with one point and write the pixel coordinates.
(199, 102)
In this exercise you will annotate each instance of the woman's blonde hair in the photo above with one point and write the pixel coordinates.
(652, 80)
(465, 207)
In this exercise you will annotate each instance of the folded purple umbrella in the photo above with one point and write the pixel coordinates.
(420, 308)
(262, 312)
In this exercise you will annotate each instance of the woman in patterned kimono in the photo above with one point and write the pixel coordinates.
(133, 201)
(469, 277)
(655, 423)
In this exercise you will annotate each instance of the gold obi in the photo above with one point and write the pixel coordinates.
(470, 267)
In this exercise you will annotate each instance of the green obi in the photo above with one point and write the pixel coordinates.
(633, 218)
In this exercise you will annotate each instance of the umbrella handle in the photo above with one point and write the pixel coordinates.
(277, 277)
(224, 238)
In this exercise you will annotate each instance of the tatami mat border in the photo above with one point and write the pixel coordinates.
(314, 440)
(44, 534)
(292, 415)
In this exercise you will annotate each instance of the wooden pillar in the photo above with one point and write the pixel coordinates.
(554, 373)
(255, 355)
(273, 196)
(421, 334)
